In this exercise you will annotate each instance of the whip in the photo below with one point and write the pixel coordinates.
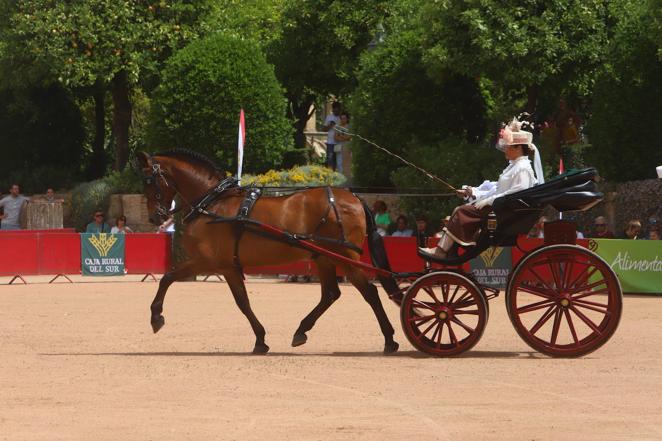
(409, 163)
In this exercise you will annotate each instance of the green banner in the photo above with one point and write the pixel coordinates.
(637, 263)
(492, 268)
(102, 254)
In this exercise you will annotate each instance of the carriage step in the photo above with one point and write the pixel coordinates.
(493, 292)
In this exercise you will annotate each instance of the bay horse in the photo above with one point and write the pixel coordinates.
(219, 247)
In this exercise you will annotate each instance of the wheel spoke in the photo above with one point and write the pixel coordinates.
(534, 306)
(463, 325)
(429, 290)
(603, 308)
(554, 269)
(467, 303)
(434, 334)
(569, 266)
(571, 326)
(444, 292)
(540, 279)
(587, 287)
(427, 330)
(451, 333)
(555, 327)
(457, 288)
(588, 276)
(419, 304)
(591, 293)
(462, 298)
(421, 319)
(441, 331)
(543, 319)
(535, 291)
(461, 312)
(586, 320)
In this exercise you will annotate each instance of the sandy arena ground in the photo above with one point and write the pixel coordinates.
(80, 362)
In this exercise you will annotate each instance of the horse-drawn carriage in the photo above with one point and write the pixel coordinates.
(562, 299)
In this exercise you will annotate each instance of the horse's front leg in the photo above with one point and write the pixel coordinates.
(182, 272)
(235, 280)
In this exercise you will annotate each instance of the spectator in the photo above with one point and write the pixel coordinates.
(50, 196)
(654, 233)
(329, 127)
(632, 230)
(601, 229)
(120, 226)
(569, 134)
(341, 140)
(538, 230)
(12, 205)
(401, 229)
(382, 218)
(98, 225)
(422, 232)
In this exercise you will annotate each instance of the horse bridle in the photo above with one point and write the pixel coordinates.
(156, 177)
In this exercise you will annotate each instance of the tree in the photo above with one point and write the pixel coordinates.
(41, 135)
(202, 89)
(398, 105)
(528, 48)
(104, 44)
(625, 126)
(316, 54)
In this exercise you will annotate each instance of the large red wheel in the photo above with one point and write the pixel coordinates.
(564, 300)
(444, 314)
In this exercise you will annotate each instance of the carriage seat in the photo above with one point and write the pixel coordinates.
(516, 213)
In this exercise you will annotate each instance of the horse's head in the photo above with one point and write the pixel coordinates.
(157, 186)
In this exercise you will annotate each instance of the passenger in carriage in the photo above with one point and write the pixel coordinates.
(465, 222)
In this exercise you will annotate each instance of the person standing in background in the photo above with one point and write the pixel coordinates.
(12, 205)
(329, 127)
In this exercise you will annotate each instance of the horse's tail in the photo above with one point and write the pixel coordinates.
(378, 254)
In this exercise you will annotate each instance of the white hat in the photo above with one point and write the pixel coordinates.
(512, 134)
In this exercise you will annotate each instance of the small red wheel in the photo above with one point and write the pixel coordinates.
(444, 314)
(564, 300)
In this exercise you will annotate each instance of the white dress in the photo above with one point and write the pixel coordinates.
(516, 177)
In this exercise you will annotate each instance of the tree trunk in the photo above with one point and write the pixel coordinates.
(301, 113)
(121, 118)
(98, 163)
(531, 99)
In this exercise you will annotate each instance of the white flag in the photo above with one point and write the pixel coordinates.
(240, 144)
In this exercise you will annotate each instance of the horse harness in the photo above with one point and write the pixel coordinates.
(241, 221)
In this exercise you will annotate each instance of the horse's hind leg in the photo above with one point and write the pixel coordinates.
(183, 271)
(370, 294)
(236, 282)
(330, 293)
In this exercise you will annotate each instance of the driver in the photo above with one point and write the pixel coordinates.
(465, 222)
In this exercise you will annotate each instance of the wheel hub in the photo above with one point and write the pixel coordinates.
(443, 315)
(565, 303)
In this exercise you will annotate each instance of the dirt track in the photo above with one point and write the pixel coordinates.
(79, 362)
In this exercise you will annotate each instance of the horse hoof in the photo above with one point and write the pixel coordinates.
(157, 323)
(391, 348)
(260, 349)
(299, 339)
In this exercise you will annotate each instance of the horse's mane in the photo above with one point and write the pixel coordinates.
(191, 156)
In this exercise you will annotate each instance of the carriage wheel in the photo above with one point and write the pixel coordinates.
(444, 314)
(564, 300)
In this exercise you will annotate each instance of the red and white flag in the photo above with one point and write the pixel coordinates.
(561, 167)
(240, 144)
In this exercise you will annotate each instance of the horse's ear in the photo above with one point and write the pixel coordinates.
(143, 159)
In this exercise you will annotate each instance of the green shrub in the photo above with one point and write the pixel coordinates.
(88, 197)
(203, 87)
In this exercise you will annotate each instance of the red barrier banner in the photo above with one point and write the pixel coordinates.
(147, 253)
(59, 253)
(19, 254)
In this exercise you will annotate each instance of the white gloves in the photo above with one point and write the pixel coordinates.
(484, 203)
